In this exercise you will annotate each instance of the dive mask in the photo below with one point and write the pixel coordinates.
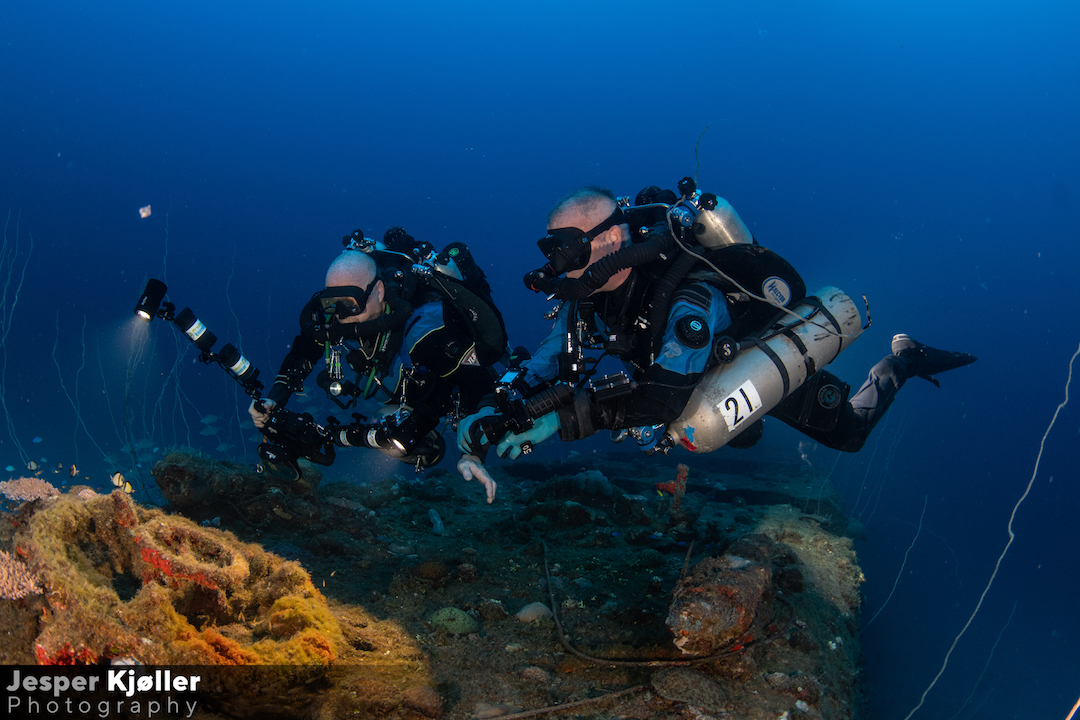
(569, 248)
(345, 301)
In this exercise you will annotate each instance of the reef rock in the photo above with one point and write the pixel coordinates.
(202, 489)
(718, 602)
(123, 581)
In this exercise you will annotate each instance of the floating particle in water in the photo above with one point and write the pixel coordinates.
(144, 212)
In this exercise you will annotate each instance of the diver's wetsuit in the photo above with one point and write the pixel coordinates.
(419, 365)
(665, 385)
(865, 408)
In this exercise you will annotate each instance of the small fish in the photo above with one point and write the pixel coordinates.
(668, 486)
(32, 466)
(208, 430)
(10, 468)
(119, 482)
(36, 440)
(73, 471)
(223, 447)
(209, 419)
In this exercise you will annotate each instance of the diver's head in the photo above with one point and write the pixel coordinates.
(354, 293)
(583, 227)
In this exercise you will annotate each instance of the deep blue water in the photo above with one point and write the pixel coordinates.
(924, 154)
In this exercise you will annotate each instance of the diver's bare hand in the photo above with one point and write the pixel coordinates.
(261, 417)
(471, 468)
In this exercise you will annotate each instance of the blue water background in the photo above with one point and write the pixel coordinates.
(923, 153)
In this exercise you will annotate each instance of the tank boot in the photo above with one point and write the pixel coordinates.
(924, 361)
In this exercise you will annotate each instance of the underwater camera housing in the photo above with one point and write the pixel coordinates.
(517, 412)
(289, 435)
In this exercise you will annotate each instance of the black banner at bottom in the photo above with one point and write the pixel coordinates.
(156, 692)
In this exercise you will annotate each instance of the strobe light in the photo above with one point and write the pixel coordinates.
(150, 300)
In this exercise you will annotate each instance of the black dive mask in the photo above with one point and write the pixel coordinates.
(570, 248)
(345, 301)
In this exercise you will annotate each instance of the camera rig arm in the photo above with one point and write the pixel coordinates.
(288, 435)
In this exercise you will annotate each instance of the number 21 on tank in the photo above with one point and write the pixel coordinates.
(740, 405)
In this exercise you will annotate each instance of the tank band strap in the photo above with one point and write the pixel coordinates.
(808, 360)
(832, 318)
(780, 367)
(791, 335)
(816, 302)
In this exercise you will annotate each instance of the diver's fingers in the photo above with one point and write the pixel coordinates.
(490, 486)
(471, 468)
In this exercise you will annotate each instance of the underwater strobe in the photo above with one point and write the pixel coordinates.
(288, 436)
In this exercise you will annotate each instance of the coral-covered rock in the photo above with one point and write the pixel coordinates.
(123, 581)
(433, 572)
(717, 603)
(689, 686)
(424, 700)
(202, 489)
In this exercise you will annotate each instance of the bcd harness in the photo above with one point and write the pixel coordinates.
(636, 337)
(411, 281)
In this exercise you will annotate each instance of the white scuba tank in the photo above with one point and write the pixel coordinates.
(732, 396)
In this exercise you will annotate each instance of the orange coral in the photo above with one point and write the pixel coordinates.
(66, 655)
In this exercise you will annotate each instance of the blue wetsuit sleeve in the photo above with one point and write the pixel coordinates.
(544, 364)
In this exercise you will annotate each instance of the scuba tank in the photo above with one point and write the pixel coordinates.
(769, 367)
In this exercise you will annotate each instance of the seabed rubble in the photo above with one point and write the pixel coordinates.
(670, 591)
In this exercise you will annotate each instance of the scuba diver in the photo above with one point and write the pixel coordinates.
(680, 291)
(416, 329)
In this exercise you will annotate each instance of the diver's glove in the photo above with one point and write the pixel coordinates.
(518, 443)
(466, 442)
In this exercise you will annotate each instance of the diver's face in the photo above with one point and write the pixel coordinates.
(601, 246)
(372, 309)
